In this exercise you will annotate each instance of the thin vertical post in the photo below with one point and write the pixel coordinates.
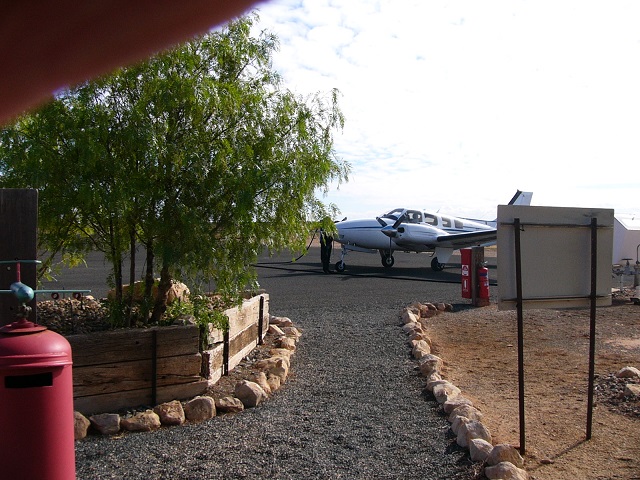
(592, 327)
(519, 308)
(225, 354)
(154, 366)
(260, 320)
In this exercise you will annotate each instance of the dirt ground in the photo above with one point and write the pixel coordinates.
(479, 348)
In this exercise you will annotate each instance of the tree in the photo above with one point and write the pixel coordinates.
(199, 153)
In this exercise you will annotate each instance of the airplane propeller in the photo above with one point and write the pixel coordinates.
(391, 231)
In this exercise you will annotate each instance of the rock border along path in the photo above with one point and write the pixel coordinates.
(501, 461)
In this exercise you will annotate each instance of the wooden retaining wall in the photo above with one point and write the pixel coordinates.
(120, 369)
(246, 326)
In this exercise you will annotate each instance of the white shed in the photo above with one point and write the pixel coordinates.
(626, 238)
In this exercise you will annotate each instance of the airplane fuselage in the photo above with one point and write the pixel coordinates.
(418, 233)
(411, 231)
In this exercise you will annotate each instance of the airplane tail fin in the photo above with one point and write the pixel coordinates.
(521, 198)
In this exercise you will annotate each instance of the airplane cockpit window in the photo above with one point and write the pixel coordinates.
(413, 216)
(446, 222)
(394, 214)
(410, 216)
(430, 219)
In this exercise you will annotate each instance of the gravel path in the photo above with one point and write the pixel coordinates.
(352, 407)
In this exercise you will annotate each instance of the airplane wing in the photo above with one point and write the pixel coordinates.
(463, 240)
(423, 238)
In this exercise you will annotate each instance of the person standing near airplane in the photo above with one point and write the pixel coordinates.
(326, 244)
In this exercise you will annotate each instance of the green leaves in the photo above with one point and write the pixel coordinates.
(199, 150)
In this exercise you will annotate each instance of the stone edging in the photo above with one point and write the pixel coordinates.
(500, 461)
(270, 374)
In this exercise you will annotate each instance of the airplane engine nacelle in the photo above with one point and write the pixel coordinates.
(417, 234)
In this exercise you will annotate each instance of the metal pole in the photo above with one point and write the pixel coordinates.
(592, 328)
(520, 335)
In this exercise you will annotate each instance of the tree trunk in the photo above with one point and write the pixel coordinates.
(132, 256)
(117, 276)
(132, 273)
(116, 260)
(148, 277)
(160, 305)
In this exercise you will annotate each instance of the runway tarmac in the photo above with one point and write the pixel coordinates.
(364, 277)
(365, 280)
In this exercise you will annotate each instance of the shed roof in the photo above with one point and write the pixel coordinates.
(628, 221)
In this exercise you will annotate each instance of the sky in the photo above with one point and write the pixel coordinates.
(452, 106)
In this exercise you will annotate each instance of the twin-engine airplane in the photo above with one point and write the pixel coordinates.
(417, 231)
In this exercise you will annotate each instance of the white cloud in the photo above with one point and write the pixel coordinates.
(455, 105)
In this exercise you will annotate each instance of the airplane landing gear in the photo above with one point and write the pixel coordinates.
(340, 265)
(387, 260)
(436, 266)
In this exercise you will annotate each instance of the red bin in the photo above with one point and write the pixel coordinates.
(36, 404)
